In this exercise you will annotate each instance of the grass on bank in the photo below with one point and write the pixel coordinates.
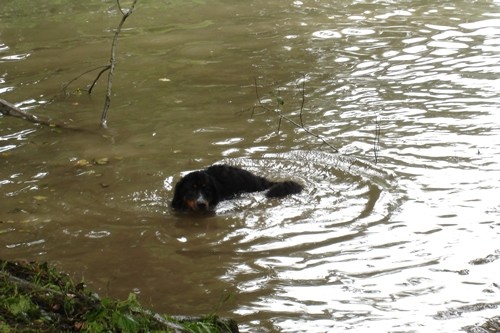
(36, 298)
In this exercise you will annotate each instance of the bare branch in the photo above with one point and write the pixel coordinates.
(303, 90)
(92, 85)
(258, 98)
(279, 124)
(112, 61)
(120, 7)
(9, 109)
(376, 141)
(65, 87)
(282, 116)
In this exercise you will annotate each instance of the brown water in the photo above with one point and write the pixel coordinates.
(407, 245)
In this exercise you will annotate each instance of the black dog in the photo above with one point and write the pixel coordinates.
(203, 190)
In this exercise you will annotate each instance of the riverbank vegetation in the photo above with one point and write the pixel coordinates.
(37, 298)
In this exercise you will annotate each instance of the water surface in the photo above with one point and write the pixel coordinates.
(409, 244)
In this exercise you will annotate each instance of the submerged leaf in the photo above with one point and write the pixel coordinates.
(101, 161)
(82, 163)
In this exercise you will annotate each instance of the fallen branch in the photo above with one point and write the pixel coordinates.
(9, 109)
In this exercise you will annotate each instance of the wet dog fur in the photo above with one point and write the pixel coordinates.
(203, 190)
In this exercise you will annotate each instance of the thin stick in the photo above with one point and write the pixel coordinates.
(376, 141)
(279, 123)
(257, 94)
(303, 99)
(9, 109)
(279, 103)
(65, 87)
(305, 129)
(281, 116)
(91, 87)
(112, 61)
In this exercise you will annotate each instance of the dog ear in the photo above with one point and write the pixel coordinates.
(177, 202)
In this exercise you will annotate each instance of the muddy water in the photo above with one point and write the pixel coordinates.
(409, 244)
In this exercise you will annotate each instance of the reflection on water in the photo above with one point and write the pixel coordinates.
(407, 245)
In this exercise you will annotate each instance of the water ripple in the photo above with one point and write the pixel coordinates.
(326, 34)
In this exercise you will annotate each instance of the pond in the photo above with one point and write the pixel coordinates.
(397, 231)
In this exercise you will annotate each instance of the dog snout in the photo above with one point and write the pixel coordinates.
(202, 202)
(202, 205)
(197, 203)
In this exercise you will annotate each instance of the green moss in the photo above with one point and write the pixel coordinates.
(37, 298)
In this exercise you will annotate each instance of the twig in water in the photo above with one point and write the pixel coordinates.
(281, 116)
(10, 109)
(303, 90)
(279, 103)
(112, 61)
(91, 87)
(376, 141)
(104, 68)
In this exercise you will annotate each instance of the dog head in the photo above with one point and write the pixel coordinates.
(196, 191)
